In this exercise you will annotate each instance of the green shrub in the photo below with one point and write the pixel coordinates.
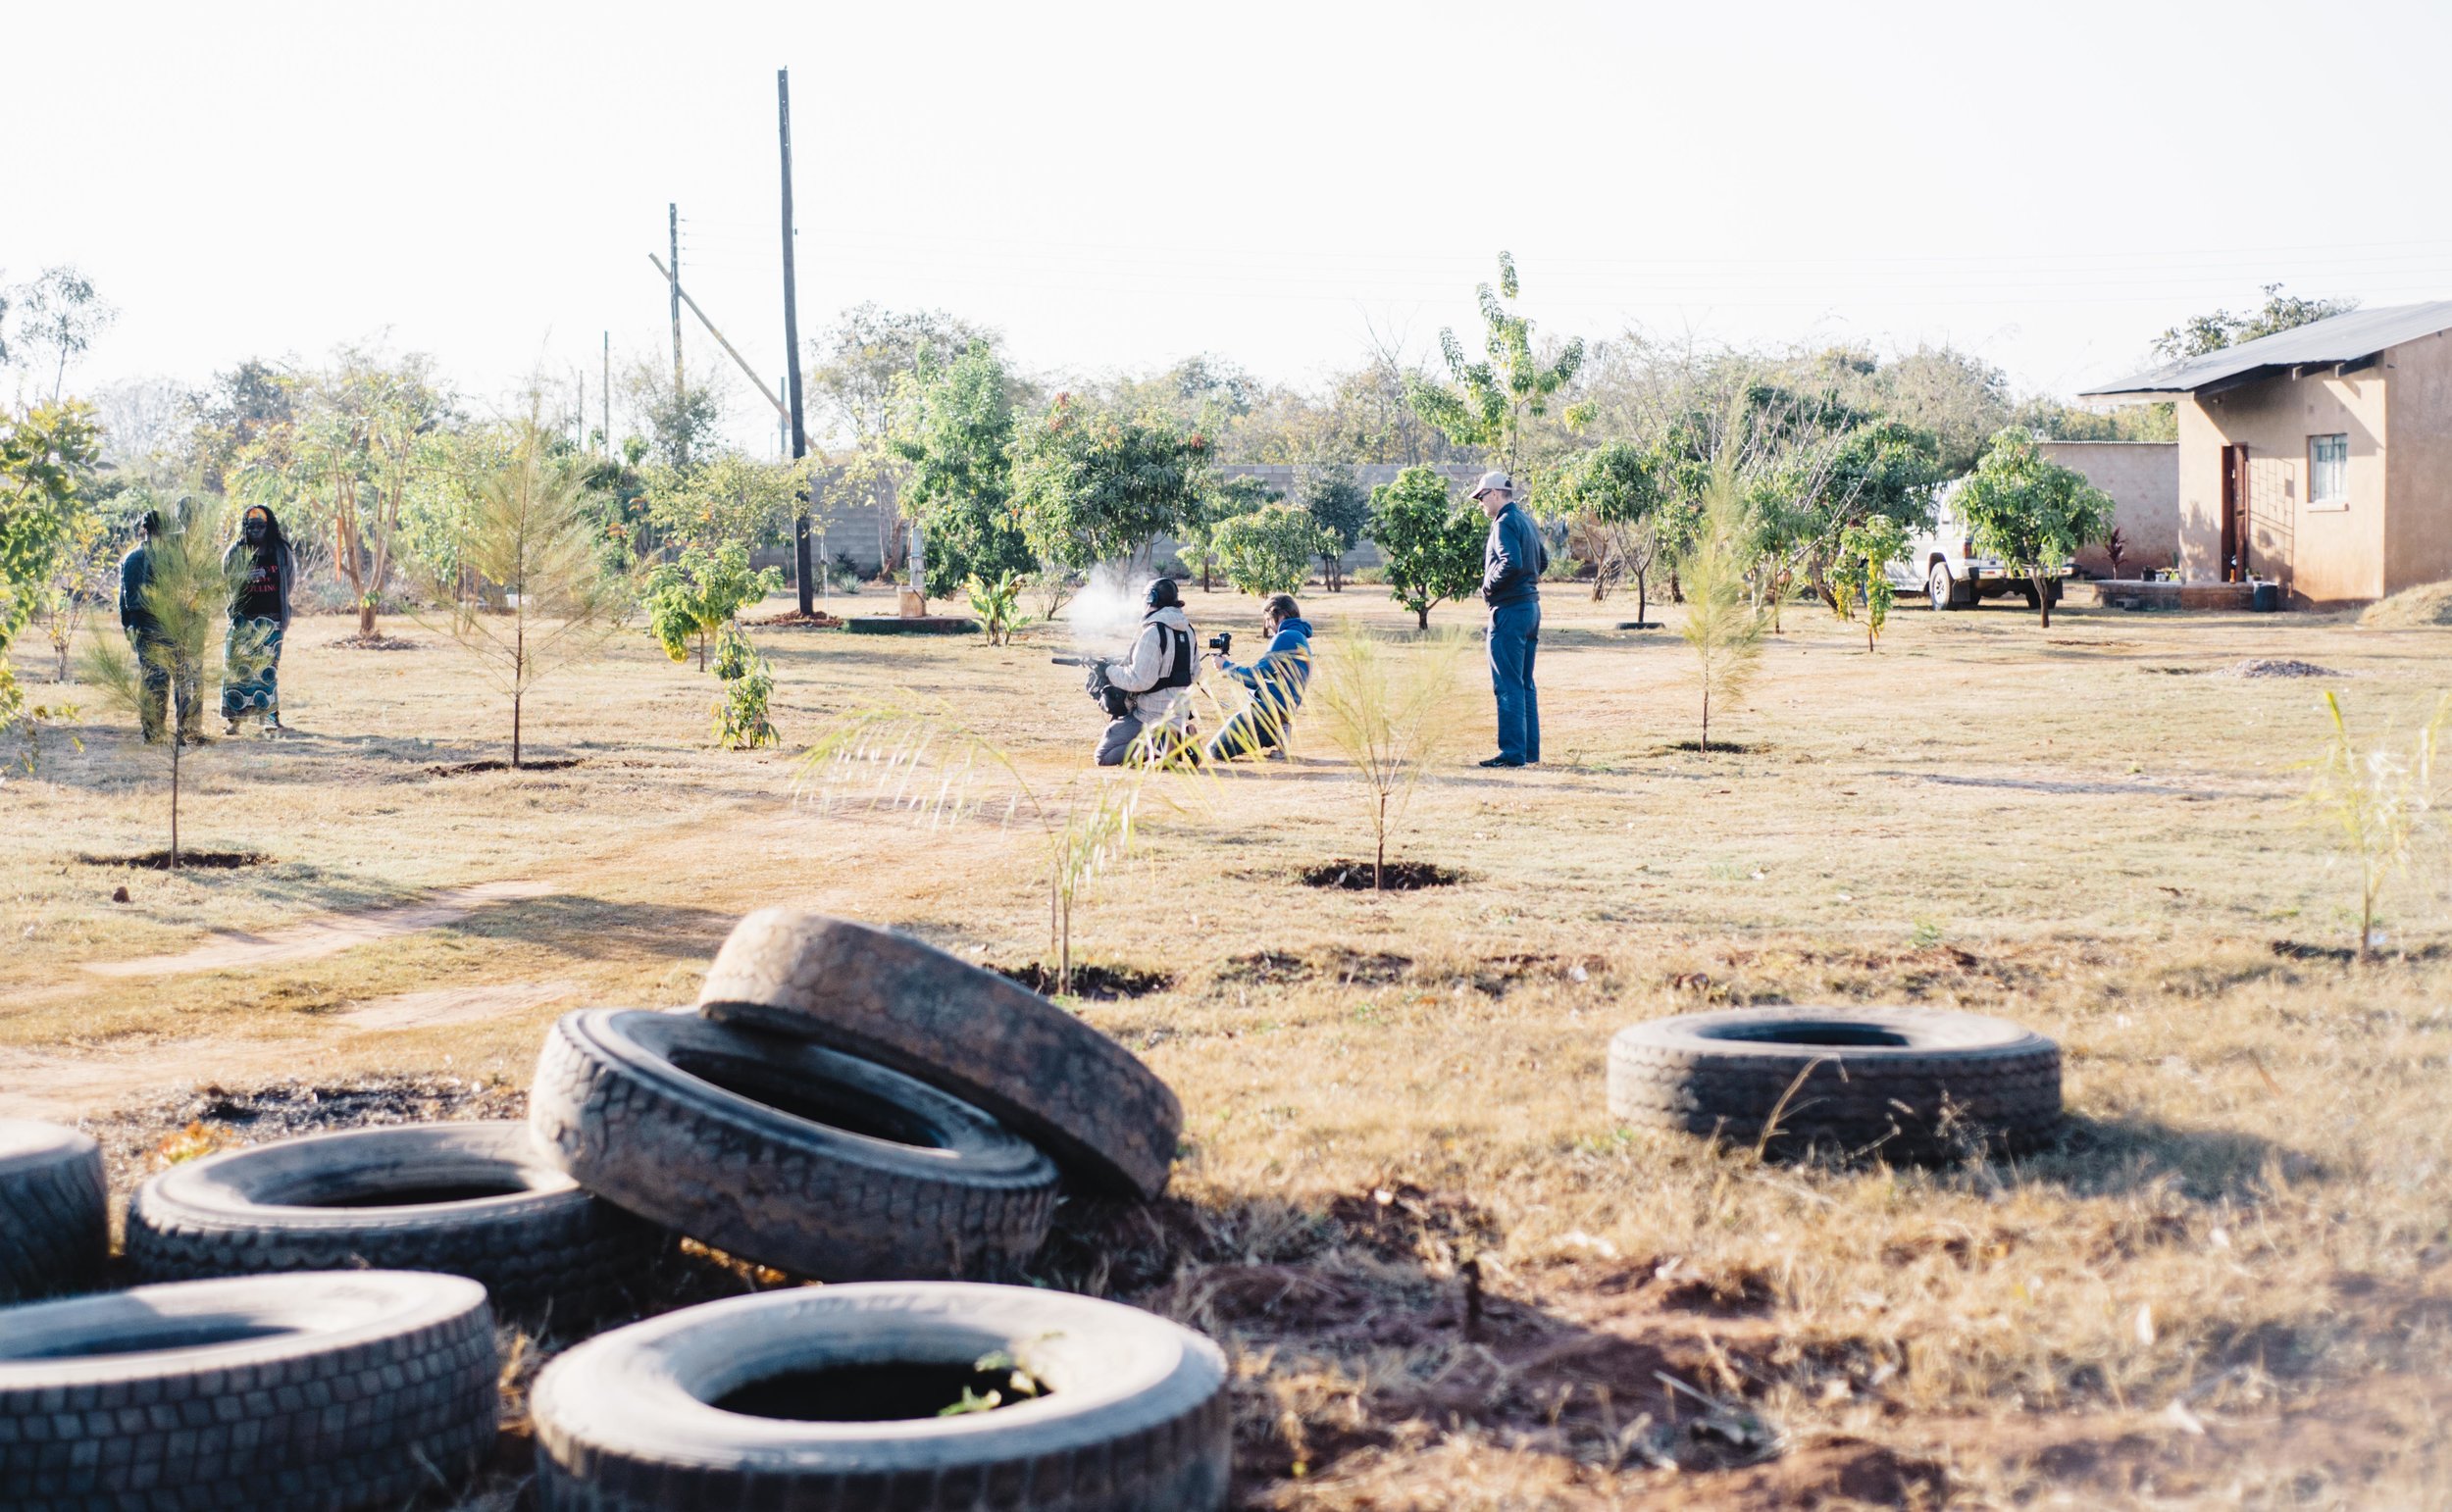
(740, 720)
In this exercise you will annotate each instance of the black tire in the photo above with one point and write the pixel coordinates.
(55, 1210)
(2026, 591)
(501, 1213)
(1906, 1083)
(818, 1163)
(991, 1041)
(290, 1393)
(1135, 1418)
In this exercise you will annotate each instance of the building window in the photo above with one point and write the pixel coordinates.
(2328, 469)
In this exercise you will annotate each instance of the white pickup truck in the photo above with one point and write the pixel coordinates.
(1942, 565)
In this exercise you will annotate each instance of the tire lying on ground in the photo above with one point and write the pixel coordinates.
(55, 1210)
(887, 997)
(785, 1153)
(288, 1393)
(833, 1397)
(476, 1199)
(1907, 1084)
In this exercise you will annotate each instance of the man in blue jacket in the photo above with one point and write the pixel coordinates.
(1512, 561)
(1275, 682)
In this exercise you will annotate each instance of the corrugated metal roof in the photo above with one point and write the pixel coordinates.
(2341, 339)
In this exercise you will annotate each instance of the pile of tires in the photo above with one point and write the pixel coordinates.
(313, 1321)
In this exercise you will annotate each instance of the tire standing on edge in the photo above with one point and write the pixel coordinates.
(1910, 1083)
(785, 1153)
(1134, 1417)
(290, 1393)
(990, 1041)
(55, 1210)
(475, 1199)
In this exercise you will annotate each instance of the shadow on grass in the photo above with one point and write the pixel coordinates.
(2098, 1157)
(598, 928)
(1321, 1290)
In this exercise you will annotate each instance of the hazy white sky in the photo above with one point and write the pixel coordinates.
(1118, 186)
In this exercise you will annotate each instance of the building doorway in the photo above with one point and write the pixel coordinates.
(2234, 562)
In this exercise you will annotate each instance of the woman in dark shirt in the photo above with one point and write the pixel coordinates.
(262, 569)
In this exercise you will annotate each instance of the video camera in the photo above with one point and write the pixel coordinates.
(1223, 641)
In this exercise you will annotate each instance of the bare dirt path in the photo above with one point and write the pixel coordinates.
(326, 935)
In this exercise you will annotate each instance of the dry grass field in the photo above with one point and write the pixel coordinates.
(1447, 1278)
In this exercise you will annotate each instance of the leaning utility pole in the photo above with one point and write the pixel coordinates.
(791, 348)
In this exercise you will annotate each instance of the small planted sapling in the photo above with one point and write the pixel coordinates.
(184, 608)
(2379, 803)
(1724, 621)
(997, 603)
(690, 600)
(1391, 714)
(1861, 574)
(1432, 546)
(740, 718)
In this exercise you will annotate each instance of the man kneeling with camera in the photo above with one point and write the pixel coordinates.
(1147, 693)
(1275, 682)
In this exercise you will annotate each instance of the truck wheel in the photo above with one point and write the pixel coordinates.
(1943, 592)
(836, 1396)
(256, 1394)
(55, 1223)
(1903, 1084)
(475, 1199)
(2026, 591)
(785, 1153)
(991, 1043)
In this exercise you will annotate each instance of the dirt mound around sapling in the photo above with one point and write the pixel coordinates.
(1101, 982)
(1400, 876)
(795, 619)
(378, 644)
(2276, 666)
(197, 860)
(2427, 606)
(472, 768)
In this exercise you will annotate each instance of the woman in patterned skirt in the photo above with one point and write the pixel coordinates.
(262, 569)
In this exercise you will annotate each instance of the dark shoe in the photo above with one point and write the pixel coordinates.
(1502, 761)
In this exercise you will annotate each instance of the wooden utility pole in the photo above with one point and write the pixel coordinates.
(791, 348)
(607, 387)
(672, 227)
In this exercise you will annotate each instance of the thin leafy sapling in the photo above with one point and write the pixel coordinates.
(182, 615)
(2380, 803)
(1861, 575)
(1391, 714)
(1725, 621)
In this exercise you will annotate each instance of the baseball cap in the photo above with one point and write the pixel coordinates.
(1490, 481)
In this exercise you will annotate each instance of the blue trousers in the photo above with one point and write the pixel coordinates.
(1515, 637)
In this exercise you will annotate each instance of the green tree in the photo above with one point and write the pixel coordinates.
(2032, 512)
(1486, 402)
(955, 426)
(531, 538)
(726, 499)
(188, 596)
(1342, 509)
(1432, 545)
(1619, 516)
(2200, 334)
(1092, 485)
(690, 600)
(47, 459)
(82, 572)
(1268, 550)
(60, 313)
(1221, 499)
(1861, 575)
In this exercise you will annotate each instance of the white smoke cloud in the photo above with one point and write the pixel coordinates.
(1106, 615)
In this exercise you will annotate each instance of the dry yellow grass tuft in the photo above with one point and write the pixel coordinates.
(1449, 1279)
(2430, 604)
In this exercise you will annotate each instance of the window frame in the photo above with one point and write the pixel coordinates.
(2315, 499)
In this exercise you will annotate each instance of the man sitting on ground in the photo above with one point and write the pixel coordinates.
(1275, 682)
